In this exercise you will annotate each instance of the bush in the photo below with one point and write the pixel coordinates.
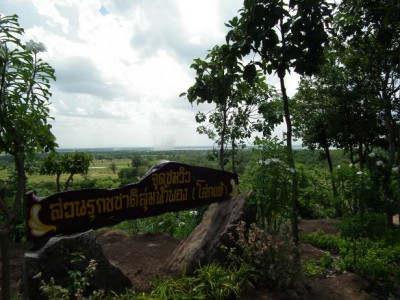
(128, 176)
(318, 267)
(271, 185)
(324, 241)
(377, 259)
(270, 255)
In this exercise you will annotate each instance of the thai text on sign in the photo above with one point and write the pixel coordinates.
(167, 187)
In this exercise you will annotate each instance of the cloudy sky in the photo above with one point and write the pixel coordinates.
(121, 65)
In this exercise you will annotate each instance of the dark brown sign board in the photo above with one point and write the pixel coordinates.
(166, 187)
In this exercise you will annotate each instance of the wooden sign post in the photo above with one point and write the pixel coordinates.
(166, 187)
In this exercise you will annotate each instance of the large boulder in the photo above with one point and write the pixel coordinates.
(54, 260)
(204, 244)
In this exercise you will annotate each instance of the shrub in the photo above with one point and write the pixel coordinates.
(377, 259)
(79, 282)
(271, 184)
(270, 255)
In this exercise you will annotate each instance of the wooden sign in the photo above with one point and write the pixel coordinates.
(166, 187)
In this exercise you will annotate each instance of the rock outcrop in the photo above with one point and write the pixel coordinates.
(204, 244)
(54, 260)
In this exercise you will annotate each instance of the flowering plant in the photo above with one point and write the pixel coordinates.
(269, 255)
(271, 183)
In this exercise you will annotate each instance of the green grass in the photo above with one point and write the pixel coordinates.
(100, 169)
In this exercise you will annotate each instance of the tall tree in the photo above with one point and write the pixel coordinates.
(24, 113)
(336, 108)
(219, 81)
(312, 120)
(373, 26)
(281, 36)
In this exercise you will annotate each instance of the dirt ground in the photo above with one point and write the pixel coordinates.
(128, 253)
(141, 257)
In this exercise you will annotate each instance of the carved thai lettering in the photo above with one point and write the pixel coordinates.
(118, 202)
(91, 208)
(154, 179)
(143, 200)
(109, 204)
(125, 199)
(161, 179)
(101, 205)
(80, 208)
(187, 177)
(56, 209)
(134, 199)
(71, 213)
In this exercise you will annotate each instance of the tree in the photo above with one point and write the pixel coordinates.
(113, 167)
(336, 108)
(219, 81)
(312, 120)
(373, 27)
(284, 36)
(71, 164)
(24, 111)
(77, 163)
(52, 165)
(137, 161)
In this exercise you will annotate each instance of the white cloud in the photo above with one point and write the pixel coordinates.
(121, 65)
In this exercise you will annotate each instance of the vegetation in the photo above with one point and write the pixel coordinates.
(24, 113)
(345, 112)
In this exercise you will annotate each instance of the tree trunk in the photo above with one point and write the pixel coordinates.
(360, 155)
(334, 189)
(58, 182)
(361, 206)
(329, 159)
(390, 132)
(5, 254)
(11, 218)
(21, 185)
(295, 201)
(68, 181)
(221, 149)
(233, 157)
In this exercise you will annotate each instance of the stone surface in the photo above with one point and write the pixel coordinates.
(347, 286)
(204, 244)
(54, 260)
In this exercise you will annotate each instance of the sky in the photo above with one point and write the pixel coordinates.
(121, 65)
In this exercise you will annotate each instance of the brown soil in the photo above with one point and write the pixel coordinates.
(326, 225)
(142, 258)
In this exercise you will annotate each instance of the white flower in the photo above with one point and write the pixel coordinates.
(395, 168)
(160, 223)
(291, 170)
(350, 165)
(372, 154)
(180, 224)
(193, 212)
(35, 47)
(338, 167)
(267, 161)
(379, 163)
(359, 173)
(275, 160)
(260, 162)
